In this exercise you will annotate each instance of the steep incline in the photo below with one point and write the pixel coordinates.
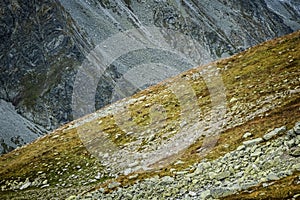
(262, 93)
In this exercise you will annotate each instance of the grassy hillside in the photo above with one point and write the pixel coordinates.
(262, 92)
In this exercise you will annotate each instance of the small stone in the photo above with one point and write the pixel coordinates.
(233, 99)
(134, 164)
(263, 179)
(291, 133)
(212, 175)
(172, 169)
(252, 142)
(167, 179)
(297, 128)
(47, 185)
(151, 138)
(129, 133)
(127, 171)
(272, 177)
(198, 171)
(179, 162)
(206, 165)
(113, 185)
(25, 185)
(256, 153)
(253, 148)
(221, 192)
(274, 133)
(246, 135)
(55, 136)
(295, 152)
(239, 174)
(71, 197)
(129, 196)
(206, 194)
(265, 184)
(102, 190)
(240, 148)
(180, 172)
(223, 175)
(291, 143)
(192, 194)
(296, 167)
(231, 170)
(167, 194)
(98, 176)
(296, 196)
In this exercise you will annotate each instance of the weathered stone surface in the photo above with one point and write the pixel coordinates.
(40, 47)
(252, 142)
(221, 192)
(167, 179)
(222, 175)
(25, 185)
(246, 135)
(295, 151)
(274, 133)
(296, 167)
(272, 177)
(256, 153)
(291, 133)
(206, 194)
(297, 128)
(212, 175)
(113, 185)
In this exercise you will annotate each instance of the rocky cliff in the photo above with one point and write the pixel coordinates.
(43, 43)
(40, 49)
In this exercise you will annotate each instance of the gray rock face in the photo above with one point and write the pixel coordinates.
(42, 43)
(219, 29)
(11, 122)
(40, 49)
(224, 27)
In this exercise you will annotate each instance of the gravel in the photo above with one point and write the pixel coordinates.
(254, 163)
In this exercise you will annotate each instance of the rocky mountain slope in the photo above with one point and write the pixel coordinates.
(43, 43)
(183, 138)
(222, 27)
(40, 49)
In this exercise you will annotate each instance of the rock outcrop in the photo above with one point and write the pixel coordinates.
(41, 47)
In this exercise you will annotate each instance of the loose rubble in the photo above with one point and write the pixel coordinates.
(255, 162)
